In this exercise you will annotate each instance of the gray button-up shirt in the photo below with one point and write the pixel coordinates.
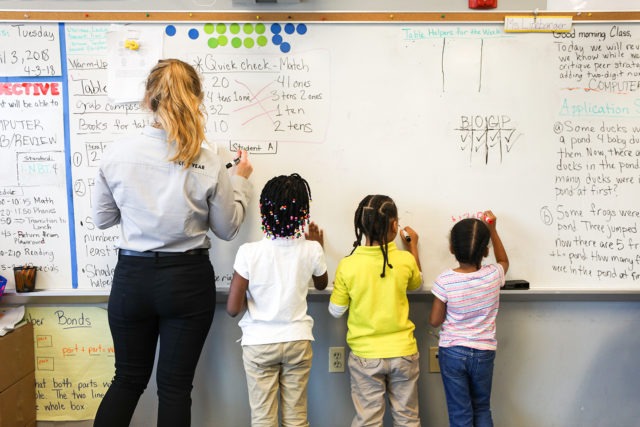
(160, 205)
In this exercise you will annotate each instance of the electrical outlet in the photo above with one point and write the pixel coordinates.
(336, 359)
(434, 365)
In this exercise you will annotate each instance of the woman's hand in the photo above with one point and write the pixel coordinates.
(244, 168)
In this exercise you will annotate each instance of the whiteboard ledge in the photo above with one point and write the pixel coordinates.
(54, 296)
(92, 16)
(540, 294)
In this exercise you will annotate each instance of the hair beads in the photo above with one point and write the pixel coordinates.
(284, 206)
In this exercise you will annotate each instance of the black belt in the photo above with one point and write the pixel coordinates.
(152, 254)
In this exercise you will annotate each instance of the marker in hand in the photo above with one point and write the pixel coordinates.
(489, 217)
(404, 235)
(233, 162)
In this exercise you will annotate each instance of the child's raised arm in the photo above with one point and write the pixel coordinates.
(316, 233)
(410, 242)
(498, 248)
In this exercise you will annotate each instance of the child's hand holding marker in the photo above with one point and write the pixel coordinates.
(410, 242)
(489, 218)
(408, 235)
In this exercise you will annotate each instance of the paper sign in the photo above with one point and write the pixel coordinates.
(537, 24)
(30, 50)
(133, 52)
(74, 361)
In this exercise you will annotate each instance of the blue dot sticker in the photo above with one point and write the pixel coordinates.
(285, 47)
(170, 30)
(242, 35)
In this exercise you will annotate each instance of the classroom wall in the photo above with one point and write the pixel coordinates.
(559, 364)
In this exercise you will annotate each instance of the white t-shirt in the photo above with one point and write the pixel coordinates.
(279, 273)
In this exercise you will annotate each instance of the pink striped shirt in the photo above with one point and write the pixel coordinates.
(472, 305)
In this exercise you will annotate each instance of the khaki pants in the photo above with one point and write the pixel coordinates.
(373, 379)
(278, 368)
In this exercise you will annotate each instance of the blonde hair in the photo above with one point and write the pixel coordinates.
(174, 94)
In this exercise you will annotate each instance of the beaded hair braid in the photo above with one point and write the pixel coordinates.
(469, 239)
(372, 219)
(284, 206)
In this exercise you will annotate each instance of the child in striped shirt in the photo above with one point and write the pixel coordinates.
(466, 304)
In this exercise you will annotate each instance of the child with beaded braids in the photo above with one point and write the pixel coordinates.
(372, 283)
(466, 304)
(271, 280)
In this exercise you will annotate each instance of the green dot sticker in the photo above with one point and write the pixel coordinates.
(236, 34)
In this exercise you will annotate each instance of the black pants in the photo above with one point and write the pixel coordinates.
(172, 298)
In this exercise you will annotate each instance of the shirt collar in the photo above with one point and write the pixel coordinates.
(375, 250)
(283, 241)
(155, 133)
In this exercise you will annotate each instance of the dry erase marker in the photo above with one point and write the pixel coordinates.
(404, 235)
(488, 219)
(234, 162)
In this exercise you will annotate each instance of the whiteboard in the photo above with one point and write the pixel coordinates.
(448, 119)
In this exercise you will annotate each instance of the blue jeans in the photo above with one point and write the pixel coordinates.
(467, 374)
(172, 299)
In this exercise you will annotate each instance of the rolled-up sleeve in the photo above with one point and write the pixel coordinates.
(228, 205)
(105, 212)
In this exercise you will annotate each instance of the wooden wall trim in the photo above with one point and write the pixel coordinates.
(185, 16)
